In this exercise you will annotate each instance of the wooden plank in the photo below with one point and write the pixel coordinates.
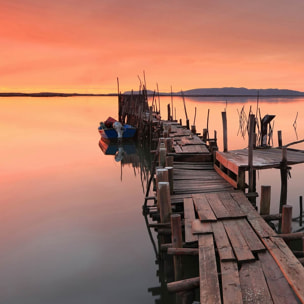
(239, 244)
(259, 225)
(231, 205)
(217, 206)
(203, 208)
(291, 268)
(225, 176)
(199, 227)
(253, 241)
(253, 284)
(280, 290)
(231, 286)
(209, 284)
(223, 246)
(189, 216)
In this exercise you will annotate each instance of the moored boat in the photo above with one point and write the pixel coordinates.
(113, 129)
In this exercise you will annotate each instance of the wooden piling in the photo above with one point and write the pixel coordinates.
(286, 219)
(170, 177)
(169, 112)
(163, 190)
(265, 200)
(225, 140)
(193, 129)
(301, 210)
(251, 189)
(162, 157)
(280, 138)
(177, 242)
(284, 175)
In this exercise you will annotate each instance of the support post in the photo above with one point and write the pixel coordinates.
(286, 219)
(265, 200)
(251, 174)
(283, 173)
(301, 211)
(177, 242)
(169, 112)
(225, 140)
(170, 176)
(163, 190)
(162, 157)
(280, 138)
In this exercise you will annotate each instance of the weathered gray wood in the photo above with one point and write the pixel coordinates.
(253, 284)
(291, 268)
(189, 216)
(177, 242)
(253, 241)
(239, 244)
(231, 286)
(265, 200)
(203, 208)
(217, 206)
(182, 251)
(209, 284)
(223, 246)
(231, 205)
(280, 290)
(286, 218)
(183, 285)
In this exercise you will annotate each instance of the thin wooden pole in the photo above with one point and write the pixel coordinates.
(208, 123)
(171, 103)
(283, 173)
(301, 210)
(250, 153)
(225, 140)
(280, 138)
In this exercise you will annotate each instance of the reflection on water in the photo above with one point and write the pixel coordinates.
(71, 224)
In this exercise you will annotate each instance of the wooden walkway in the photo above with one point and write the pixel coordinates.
(241, 259)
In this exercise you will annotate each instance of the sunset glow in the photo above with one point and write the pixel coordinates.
(76, 46)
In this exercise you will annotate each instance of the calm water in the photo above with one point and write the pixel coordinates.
(72, 229)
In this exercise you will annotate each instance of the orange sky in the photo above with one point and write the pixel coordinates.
(82, 46)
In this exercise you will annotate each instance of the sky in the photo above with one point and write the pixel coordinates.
(83, 46)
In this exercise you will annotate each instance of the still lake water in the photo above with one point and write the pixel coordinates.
(71, 224)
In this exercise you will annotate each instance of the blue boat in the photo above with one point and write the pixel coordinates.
(112, 129)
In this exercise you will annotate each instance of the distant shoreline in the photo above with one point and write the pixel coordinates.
(47, 94)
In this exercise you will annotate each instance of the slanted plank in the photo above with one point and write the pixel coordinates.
(203, 208)
(231, 205)
(189, 216)
(253, 241)
(259, 225)
(279, 288)
(291, 268)
(231, 286)
(253, 284)
(217, 206)
(199, 227)
(223, 246)
(239, 244)
(209, 284)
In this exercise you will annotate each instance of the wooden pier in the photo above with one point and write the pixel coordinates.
(241, 258)
(200, 204)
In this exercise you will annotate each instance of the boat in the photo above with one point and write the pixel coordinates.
(113, 129)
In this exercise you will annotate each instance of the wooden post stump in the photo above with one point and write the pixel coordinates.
(265, 200)
(163, 190)
(177, 242)
(286, 219)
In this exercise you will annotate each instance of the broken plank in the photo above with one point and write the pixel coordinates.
(239, 244)
(189, 216)
(223, 246)
(253, 284)
(231, 286)
(203, 208)
(209, 284)
(280, 290)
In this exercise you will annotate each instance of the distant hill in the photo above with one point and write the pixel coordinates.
(229, 91)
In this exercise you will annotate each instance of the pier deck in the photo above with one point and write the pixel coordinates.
(241, 259)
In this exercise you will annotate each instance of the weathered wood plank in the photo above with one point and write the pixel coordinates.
(223, 246)
(231, 286)
(189, 216)
(217, 206)
(225, 176)
(231, 205)
(253, 241)
(239, 244)
(280, 290)
(209, 284)
(203, 208)
(291, 268)
(199, 227)
(253, 284)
